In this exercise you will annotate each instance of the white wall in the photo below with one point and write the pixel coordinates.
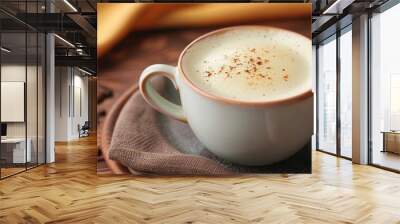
(12, 100)
(62, 81)
(71, 87)
(81, 82)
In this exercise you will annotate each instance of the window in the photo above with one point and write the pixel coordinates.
(385, 89)
(346, 93)
(394, 117)
(327, 96)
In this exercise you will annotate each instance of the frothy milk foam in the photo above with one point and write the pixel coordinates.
(251, 64)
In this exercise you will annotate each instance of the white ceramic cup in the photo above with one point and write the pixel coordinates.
(247, 133)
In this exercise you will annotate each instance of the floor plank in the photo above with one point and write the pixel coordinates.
(69, 191)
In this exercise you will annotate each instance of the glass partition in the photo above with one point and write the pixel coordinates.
(22, 107)
(15, 151)
(31, 99)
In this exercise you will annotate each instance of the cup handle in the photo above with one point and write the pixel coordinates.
(153, 98)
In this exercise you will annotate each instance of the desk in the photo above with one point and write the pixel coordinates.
(15, 148)
(391, 141)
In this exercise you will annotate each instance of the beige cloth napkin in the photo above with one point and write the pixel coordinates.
(139, 143)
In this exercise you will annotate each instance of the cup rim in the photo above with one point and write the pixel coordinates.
(292, 99)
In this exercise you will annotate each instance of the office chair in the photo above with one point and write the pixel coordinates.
(84, 130)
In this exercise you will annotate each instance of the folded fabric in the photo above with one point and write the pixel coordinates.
(147, 142)
(107, 128)
(139, 143)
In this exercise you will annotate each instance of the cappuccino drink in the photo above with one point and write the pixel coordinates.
(250, 64)
(245, 92)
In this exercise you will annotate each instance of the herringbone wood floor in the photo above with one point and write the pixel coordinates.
(69, 191)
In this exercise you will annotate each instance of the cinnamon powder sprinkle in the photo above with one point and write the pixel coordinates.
(286, 77)
(251, 65)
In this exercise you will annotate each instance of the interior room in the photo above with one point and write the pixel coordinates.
(335, 93)
(55, 103)
(30, 97)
